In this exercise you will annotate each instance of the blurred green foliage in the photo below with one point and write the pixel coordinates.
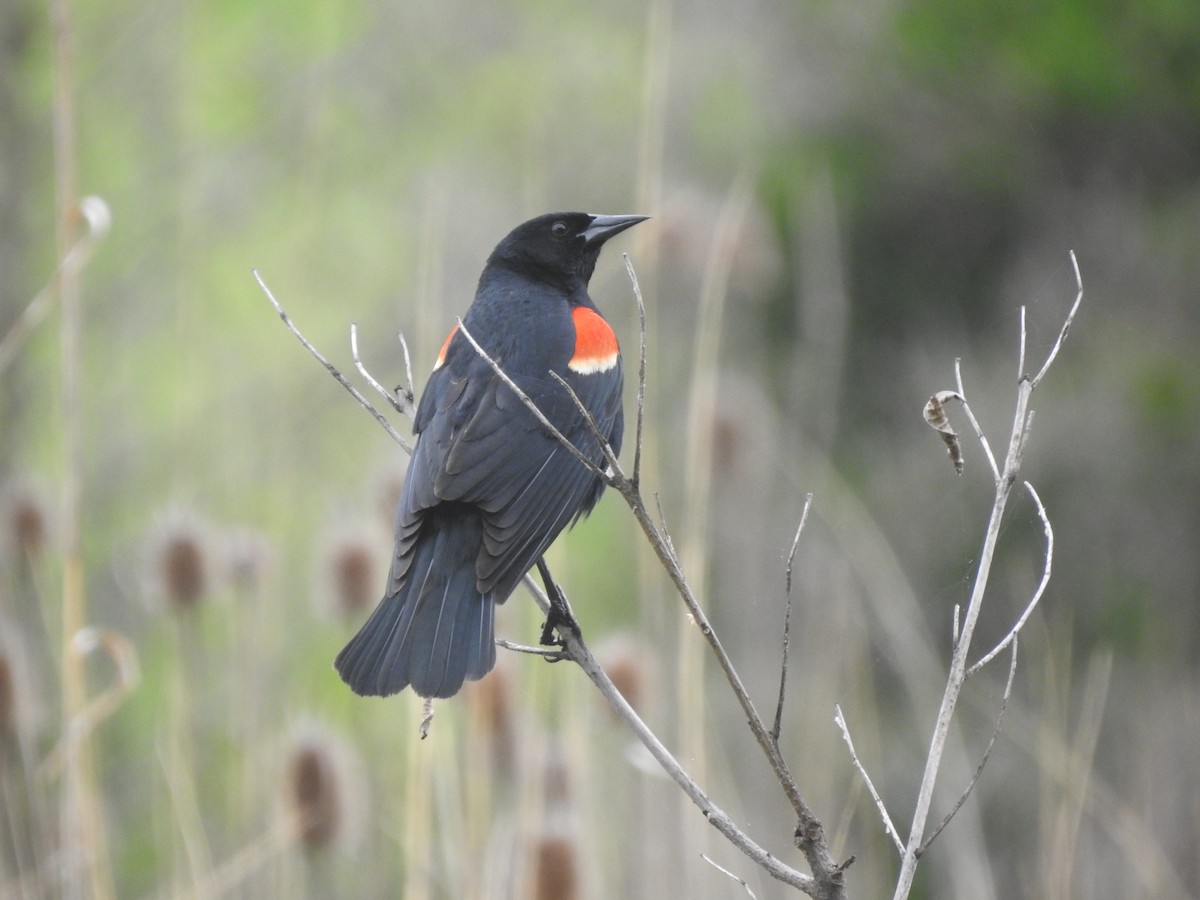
(1101, 59)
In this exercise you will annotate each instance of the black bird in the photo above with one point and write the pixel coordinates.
(488, 488)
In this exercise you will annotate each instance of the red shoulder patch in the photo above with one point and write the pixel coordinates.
(445, 346)
(596, 347)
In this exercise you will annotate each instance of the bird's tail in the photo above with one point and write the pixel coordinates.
(436, 629)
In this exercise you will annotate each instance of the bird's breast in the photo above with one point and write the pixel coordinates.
(596, 347)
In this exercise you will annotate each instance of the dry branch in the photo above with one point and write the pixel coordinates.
(917, 842)
(332, 369)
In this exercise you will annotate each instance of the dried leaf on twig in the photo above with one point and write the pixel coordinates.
(935, 415)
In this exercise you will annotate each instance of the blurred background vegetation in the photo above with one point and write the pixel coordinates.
(846, 197)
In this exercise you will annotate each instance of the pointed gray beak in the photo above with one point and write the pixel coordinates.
(604, 227)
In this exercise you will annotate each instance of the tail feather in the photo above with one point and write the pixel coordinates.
(435, 631)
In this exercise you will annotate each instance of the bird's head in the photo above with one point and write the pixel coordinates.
(561, 248)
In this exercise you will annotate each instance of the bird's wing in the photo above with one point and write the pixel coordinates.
(480, 445)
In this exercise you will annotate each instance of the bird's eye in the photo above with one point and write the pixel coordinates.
(558, 229)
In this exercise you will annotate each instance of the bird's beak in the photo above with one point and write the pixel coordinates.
(604, 227)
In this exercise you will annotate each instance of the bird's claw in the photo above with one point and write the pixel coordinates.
(558, 621)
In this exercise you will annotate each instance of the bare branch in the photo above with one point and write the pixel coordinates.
(575, 649)
(1011, 637)
(888, 827)
(1022, 421)
(331, 368)
(1008, 686)
(787, 619)
(810, 836)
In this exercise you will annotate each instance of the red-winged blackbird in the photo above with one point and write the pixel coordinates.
(488, 488)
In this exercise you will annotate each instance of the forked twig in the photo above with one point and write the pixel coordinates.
(1018, 439)
(331, 368)
(1008, 686)
(402, 407)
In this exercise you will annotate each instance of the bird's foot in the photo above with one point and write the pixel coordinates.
(558, 621)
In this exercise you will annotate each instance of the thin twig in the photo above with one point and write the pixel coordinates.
(982, 438)
(536, 410)
(389, 396)
(548, 652)
(1021, 351)
(1008, 686)
(641, 385)
(662, 529)
(1066, 327)
(724, 871)
(410, 395)
(332, 369)
(787, 619)
(888, 827)
(1011, 637)
(610, 455)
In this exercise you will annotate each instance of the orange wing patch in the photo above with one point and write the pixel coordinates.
(596, 347)
(445, 346)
